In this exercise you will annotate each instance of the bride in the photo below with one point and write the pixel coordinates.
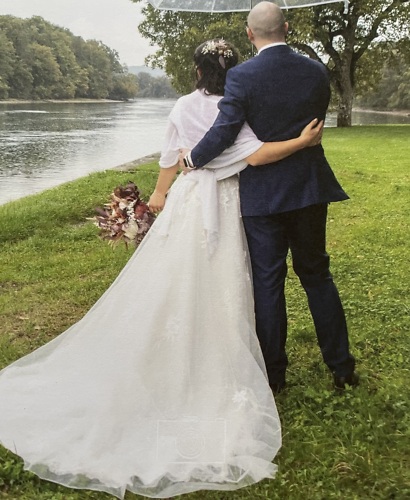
(166, 393)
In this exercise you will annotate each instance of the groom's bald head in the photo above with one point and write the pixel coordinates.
(267, 22)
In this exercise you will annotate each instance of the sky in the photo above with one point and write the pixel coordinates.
(114, 22)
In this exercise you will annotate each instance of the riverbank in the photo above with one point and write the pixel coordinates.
(398, 112)
(133, 165)
(53, 268)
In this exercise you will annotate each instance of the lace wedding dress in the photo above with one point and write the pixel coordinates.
(161, 388)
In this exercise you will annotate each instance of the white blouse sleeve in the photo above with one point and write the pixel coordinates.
(170, 148)
(245, 144)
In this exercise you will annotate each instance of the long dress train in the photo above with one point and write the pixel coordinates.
(160, 388)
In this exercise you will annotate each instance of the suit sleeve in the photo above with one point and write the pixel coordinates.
(231, 117)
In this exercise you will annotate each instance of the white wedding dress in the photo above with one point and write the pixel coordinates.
(161, 388)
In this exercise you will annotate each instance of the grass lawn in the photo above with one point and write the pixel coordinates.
(350, 446)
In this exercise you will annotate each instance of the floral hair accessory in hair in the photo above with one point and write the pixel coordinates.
(218, 47)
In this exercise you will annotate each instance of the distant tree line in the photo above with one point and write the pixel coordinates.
(39, 60)
(154, 87)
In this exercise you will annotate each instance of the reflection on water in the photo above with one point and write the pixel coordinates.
(45, 144)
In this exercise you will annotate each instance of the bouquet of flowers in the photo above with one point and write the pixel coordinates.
(126, 218)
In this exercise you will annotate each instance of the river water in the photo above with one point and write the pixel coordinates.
(45, 144)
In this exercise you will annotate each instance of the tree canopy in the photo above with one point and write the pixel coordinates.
(39, 60)
(351, 44)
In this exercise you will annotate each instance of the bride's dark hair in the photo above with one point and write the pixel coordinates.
(212, 60)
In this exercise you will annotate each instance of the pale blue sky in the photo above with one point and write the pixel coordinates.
(114, 22)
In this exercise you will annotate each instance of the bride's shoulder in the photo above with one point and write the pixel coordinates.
(192, 96)
(194, 101)
(186, 100)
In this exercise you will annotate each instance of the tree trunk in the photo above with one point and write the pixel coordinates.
(344, 111)
(346, 92)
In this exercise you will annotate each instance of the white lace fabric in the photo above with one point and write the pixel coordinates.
(160, 389)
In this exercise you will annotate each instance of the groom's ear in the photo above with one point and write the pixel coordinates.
(249, 34)
(286, 28)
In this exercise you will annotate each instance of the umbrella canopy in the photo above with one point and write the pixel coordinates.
(232, 5)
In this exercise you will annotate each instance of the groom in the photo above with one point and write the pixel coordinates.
(284, 205)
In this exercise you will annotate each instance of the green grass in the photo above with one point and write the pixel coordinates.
(350, 446)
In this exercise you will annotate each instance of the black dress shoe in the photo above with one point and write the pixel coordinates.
(277, 387)
(341, 382)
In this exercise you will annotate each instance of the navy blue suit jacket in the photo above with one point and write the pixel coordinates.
(277, 92)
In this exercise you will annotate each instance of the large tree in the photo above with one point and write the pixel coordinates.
(341, 39)
(177, 34)
(326, 33)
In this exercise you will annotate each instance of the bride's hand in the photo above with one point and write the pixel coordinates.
(311, 135)
(156, 202)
